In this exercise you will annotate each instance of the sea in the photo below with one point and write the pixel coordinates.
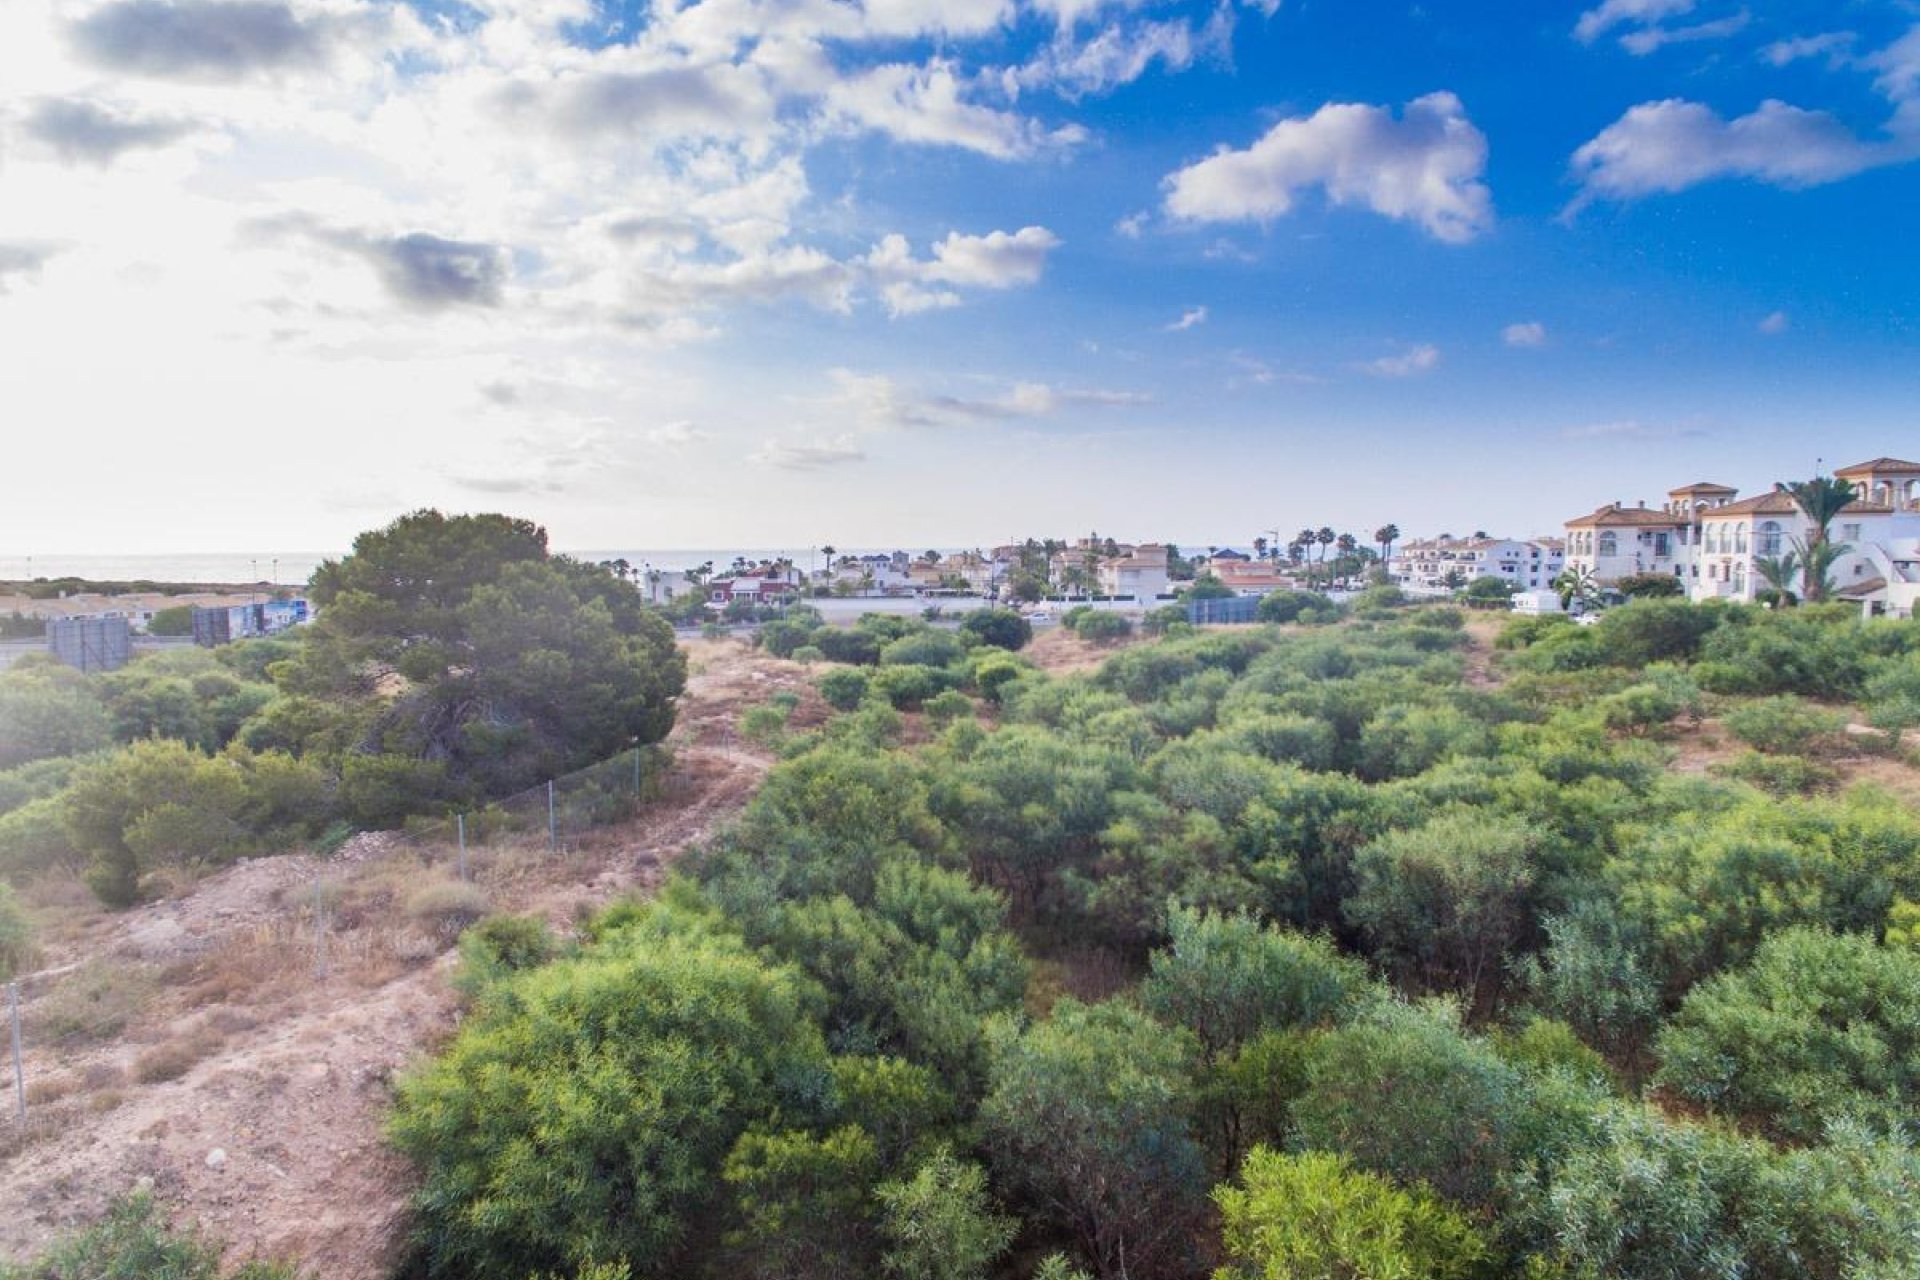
(294, 568)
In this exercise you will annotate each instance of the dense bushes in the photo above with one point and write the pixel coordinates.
(1406, 974)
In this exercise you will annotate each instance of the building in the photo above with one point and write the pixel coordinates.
(223, 624)
(1435, 565)
(1721, 546)
(1141, 574)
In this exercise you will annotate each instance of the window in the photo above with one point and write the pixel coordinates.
(1849, 533)
(1609, 545)
(1662, 545)
(1767, 543)
(1740, 540)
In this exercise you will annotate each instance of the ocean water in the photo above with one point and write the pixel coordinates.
(293, 568)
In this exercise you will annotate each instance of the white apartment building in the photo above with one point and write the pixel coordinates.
(1713, 540)
(1440, 564)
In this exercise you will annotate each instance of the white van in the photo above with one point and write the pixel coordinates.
(1536, 603)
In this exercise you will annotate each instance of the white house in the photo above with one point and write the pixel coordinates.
(1142, 575)
(1440, 564)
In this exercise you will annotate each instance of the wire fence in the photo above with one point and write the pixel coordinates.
(561, 811)
(55, 1019)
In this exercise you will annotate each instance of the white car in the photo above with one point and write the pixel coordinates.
(1040, 615)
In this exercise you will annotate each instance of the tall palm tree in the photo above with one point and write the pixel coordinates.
(1820, 500)
(1324, 535)
(1816, 566)
(1260, 548)
(1386, 535)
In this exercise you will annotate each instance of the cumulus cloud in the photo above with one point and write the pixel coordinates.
(1421, 358)
(218, 40)
(807, 455)
(80, 131)
(21, 262)
(1675, 144)
(997, 260)
(1529, 333)
(1425, 167)
(1189, 318)
(1775, 322)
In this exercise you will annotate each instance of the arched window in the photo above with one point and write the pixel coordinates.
(1740, 539)
(1609, 545)
(1768, 541)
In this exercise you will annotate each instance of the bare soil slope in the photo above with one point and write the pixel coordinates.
(207, 1047)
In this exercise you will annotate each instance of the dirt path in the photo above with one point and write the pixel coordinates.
(204, 1048)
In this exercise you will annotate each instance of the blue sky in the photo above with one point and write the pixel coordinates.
(779, 272)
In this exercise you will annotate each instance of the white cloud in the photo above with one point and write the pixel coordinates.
(1898, 68)
(1425, 167)
(673, 435)
(1119, 54)
(1131, 226)
(1832, 45)
(997, 260)
(1652, 39)
(1775, 322)
(1421, 358)
(808, 454)
(1633, 429)
(925, 104)
(1672, 145)
(1596, 22)
(880, 402)
(1529, 333)
(1189, 318)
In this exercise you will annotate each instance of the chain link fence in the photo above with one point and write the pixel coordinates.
(57, 1019)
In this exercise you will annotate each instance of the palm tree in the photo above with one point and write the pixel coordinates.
(1820, 500)
(1816, 566)
(1324, 535)
(1260, 548)
(1781, 572)
(1575, 583)
(1386, 535)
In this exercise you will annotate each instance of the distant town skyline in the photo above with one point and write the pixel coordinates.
(273, 272)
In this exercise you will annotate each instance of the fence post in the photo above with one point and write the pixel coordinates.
(636, 772)
(19, 1072)
(553, 827)
(460, 823)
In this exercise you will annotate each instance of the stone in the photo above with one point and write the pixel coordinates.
(217, 1158)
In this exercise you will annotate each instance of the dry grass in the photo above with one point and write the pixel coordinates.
(94, 1002)
(176, 1057)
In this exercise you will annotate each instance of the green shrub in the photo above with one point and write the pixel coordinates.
(133, 1242)
(764, 725)
(844, 690)
(1779, 775)
(1784, 725)
(1295, 606)
(500, 946)
(928, 649)
(1001, 628)
(1313, 1216)
(1101, 627)
(808, 654)
(586, 1115)
(949, 706)
(907, 687)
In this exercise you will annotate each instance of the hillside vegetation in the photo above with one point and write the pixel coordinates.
(1308, 953)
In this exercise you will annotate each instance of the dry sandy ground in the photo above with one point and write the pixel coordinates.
(199, 1047)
